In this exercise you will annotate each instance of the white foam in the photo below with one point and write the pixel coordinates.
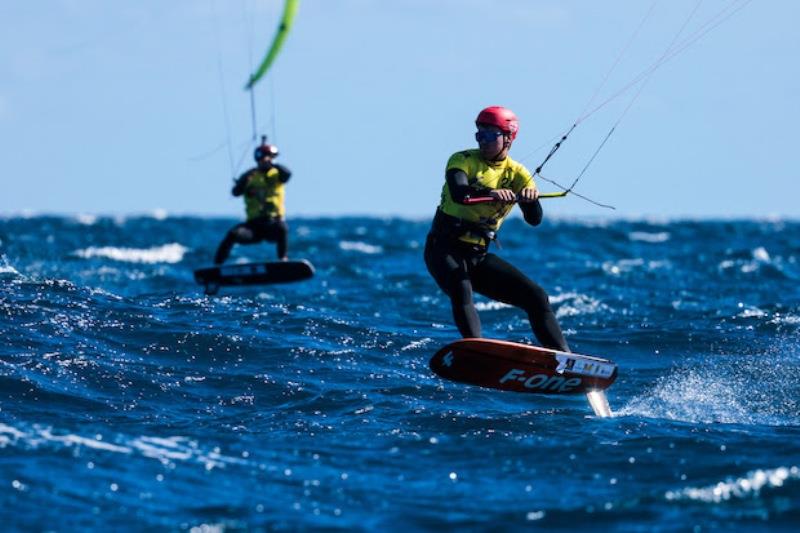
(748, 486)
(644, 236)
(86, 219)
(159, 214)
(5, 268)
(490, 306)
(791, 320)
(750, 312)
(688, 396)
(9, 435)
(178, 448)
(208, 528)
(761, 254)
(167, 253)
(577, 304)
(163, 449)
(623, 266)
(416, 344)
(760, 257)
(534, 515)
(358, 246)
(70, 439)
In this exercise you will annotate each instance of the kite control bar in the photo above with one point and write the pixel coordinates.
(487, 199)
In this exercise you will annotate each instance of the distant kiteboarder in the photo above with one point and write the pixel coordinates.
(263, 191)
(481, 188)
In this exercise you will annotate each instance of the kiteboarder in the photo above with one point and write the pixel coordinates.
(456, 250)
(263, 190)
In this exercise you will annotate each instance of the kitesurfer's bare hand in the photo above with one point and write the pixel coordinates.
(528, 195)
(503, 195)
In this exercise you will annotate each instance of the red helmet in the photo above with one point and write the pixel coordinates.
(501, 117)
(265, 150)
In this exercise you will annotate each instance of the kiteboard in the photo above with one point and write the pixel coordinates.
(253, 274)
(510, 366)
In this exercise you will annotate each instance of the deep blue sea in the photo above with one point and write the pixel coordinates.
(130, 400)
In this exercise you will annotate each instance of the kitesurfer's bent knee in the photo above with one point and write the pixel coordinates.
(449, 272)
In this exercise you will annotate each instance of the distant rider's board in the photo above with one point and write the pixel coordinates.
(253, 274)
(517, 367)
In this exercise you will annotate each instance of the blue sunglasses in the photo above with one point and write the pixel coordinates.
(487, 136)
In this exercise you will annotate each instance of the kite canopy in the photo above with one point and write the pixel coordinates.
(289, 11)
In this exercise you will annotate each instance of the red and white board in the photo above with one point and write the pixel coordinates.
(521, 368)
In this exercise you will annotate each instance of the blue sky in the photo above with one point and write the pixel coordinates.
(117, 107)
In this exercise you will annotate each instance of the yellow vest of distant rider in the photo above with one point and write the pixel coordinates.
(264, 195)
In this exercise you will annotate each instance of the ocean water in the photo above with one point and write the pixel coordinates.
(130, 400)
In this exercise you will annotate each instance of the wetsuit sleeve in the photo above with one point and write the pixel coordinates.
(240, 184)
(460, 189)
(532, 212)
(283, 173)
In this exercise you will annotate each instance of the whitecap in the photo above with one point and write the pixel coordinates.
(643, 236)
(760, 257)
(792, 320)
(208, 528)
(70, 439)
(574, 304)
(416, 344)
(490, 306)
(5, 268)
(169, 449)
(761, 254)
(86, 219)
(358, 246)
(159, 214)
(167, 253)
(163, 449)
(9, 435)
(750, 312)
(624, 266)
(535, 515)
(748, 486)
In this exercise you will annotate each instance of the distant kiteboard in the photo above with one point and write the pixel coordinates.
(253, 274)
(521, 368)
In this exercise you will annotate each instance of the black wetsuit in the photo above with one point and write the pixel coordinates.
(459, 268)
(255, 230)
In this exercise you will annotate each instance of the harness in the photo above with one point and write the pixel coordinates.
(453, 229)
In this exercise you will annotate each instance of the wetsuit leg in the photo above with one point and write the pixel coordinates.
(499, 280)
(242, 233)
(450, 271)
